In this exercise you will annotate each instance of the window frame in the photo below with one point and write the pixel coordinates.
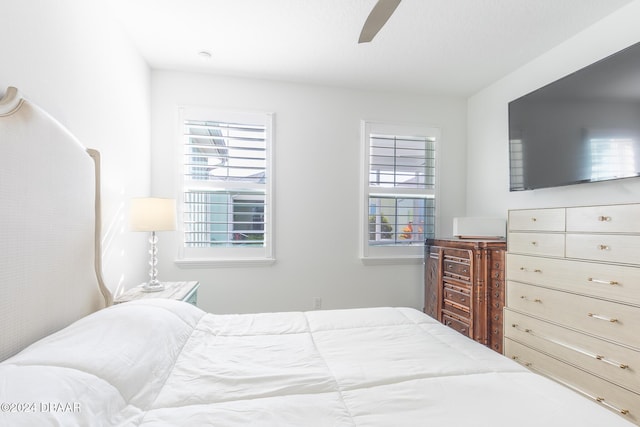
(191, 257)
(392, 254)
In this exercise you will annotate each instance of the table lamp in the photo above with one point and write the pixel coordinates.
(152, 214)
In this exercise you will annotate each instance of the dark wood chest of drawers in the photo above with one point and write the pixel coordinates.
(464, 287)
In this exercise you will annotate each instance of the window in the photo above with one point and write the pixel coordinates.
(399, 190)
(225, 214)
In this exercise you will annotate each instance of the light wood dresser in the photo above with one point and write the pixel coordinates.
(573, 299)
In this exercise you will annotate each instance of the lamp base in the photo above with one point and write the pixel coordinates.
(152, 286)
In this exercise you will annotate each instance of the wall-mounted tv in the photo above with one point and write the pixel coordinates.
(584, 127)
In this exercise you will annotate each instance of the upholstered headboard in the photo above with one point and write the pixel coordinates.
(50, 260)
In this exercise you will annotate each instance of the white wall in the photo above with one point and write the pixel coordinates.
(317, 146)
(487, 151)
(68, 57)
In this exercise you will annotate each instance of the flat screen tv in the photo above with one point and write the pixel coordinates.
(584, 127)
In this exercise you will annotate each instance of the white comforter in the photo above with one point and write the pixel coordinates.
(166, 363)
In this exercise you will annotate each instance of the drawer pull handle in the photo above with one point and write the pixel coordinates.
(604, 247)
(610, 406)
(598, 316)
(534, 219)
(596, 398)
(524, 297)
(610, 362)
(535, 270)
(604, 218)
(604, 282)
(515, 325)
(570, 347)
(534, 243)
(522, 363)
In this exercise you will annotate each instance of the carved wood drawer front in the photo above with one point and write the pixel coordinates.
(463, 255)
(604, 219)
(607, 394)
(608, 320)
(496, 297)
(496, 331)
(616, 282)
(496, 343)
(604, 247)
(458, 310)
(457, 264)
(611, 361)
(495, 309)
(457, 297)
(537, 220)
(497, 260)
(456, 324)
(456, 269)
(536, 244)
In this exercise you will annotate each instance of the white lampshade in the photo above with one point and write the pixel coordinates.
(153, 214)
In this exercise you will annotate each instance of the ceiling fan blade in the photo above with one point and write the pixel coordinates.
(379, 15)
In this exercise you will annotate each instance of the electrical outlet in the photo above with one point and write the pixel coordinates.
(317, 303)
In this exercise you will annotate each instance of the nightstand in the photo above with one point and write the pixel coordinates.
(181, 291)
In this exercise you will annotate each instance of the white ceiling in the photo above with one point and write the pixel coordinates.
(451, 47)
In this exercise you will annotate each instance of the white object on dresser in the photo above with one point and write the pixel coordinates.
(573, 299)
(181, 291)
(479, 227)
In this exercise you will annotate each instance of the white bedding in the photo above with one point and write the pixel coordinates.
(167, 363)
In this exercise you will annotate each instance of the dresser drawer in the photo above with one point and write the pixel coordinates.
(615, 363)
(604, 219)
(457, 297)
(604, 247)
(457, 324)
(537, 220)
(496, 338)
(615, 282)
(496, 328)
(607, 394)
(496, 299)
(461, 255)
(609, 320)
(497, 260)
(457, 269)
(537, 244)
(460, 311)
(496, 306)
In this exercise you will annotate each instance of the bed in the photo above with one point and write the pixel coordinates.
(71, 358)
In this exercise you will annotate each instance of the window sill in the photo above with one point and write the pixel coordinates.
(392, 260)
(236, 262)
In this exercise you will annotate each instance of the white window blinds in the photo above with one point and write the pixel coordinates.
(402, 161)
(400, 187)
(226, 177)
